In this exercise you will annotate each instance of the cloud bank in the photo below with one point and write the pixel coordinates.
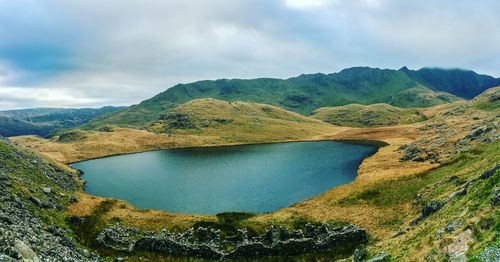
(68, 53)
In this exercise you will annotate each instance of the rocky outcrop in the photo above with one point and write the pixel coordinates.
(427, 210)
(434, 205)
(453, 138)
(210, 244)
(25, 233)
(458, 248)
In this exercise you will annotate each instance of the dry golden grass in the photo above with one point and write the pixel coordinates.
(141, 218)
(101, 144)
(383, 165)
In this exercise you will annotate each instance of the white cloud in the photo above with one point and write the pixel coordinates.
(13, 97)
(98, 52)
(306, 3)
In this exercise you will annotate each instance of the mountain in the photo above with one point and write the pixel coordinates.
(376, 115)
(462, 83)
(44, 121)
(238, 122)
(302, 94)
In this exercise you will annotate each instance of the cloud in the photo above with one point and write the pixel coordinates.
(98, 52)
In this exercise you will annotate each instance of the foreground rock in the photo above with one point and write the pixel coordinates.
(210, 244)
(26, 206)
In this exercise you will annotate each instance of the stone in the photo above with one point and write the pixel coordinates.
(47, 190)
(249, 250)
(36, 201)
(27, 254)
(487, 174)
(474, 134)
(431, 207)
(453, 225)
(207, 243)
(458, 248)
(495, 199)
(490, 254)
(360, 254)
(380, 257)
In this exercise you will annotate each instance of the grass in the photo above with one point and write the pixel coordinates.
(212, 123)
(91, 227)
(379, 200)
(479, 215)
(375, 115)
(302, 94)
(238, 122)
(489, 100)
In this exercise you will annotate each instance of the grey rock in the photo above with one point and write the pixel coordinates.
(360, 254)
(457, 250)
(207, 243)
(382, 256)
(26, 253)
(489, 172)
(47, 190)
(491, 253)
(431, 207)
(495, 199)
(453, 225)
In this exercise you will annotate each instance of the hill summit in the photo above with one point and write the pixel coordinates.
(306, 93)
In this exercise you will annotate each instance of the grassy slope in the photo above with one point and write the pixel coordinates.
(302, 94)
(489, 100)
(472, 209)
(375, 115)
(211, 122)
(28, 173)
(238, 122)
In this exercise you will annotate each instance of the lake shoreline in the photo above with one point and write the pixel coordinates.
(377, 143)
(237, 172)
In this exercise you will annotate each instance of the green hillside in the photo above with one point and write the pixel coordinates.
(302, 94)
(375, 115)
(238, 122)
(489, 100)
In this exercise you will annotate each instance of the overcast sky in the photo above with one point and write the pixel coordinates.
(88, 53)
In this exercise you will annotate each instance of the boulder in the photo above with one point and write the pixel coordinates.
(458, 248)
(382, 256)
(495, 199)
(487, 174)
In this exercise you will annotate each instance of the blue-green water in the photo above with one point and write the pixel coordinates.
(250, 178)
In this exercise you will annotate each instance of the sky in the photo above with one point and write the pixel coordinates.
(91, 53)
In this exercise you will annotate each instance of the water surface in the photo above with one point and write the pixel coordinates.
(250, 178)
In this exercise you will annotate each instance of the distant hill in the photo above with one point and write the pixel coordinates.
(238, 121)
(462, 83)
(376, 115)
(489, 100)
(302, 94)
(44, 121)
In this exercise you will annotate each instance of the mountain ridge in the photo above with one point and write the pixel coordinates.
(45, 121)
(305, 93)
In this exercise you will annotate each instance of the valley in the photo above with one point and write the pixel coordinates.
(432, 181)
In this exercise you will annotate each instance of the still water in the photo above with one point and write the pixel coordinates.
(249, 178)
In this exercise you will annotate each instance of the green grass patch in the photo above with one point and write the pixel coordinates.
(94, 224)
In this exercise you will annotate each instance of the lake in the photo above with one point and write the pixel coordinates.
(248, 178)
